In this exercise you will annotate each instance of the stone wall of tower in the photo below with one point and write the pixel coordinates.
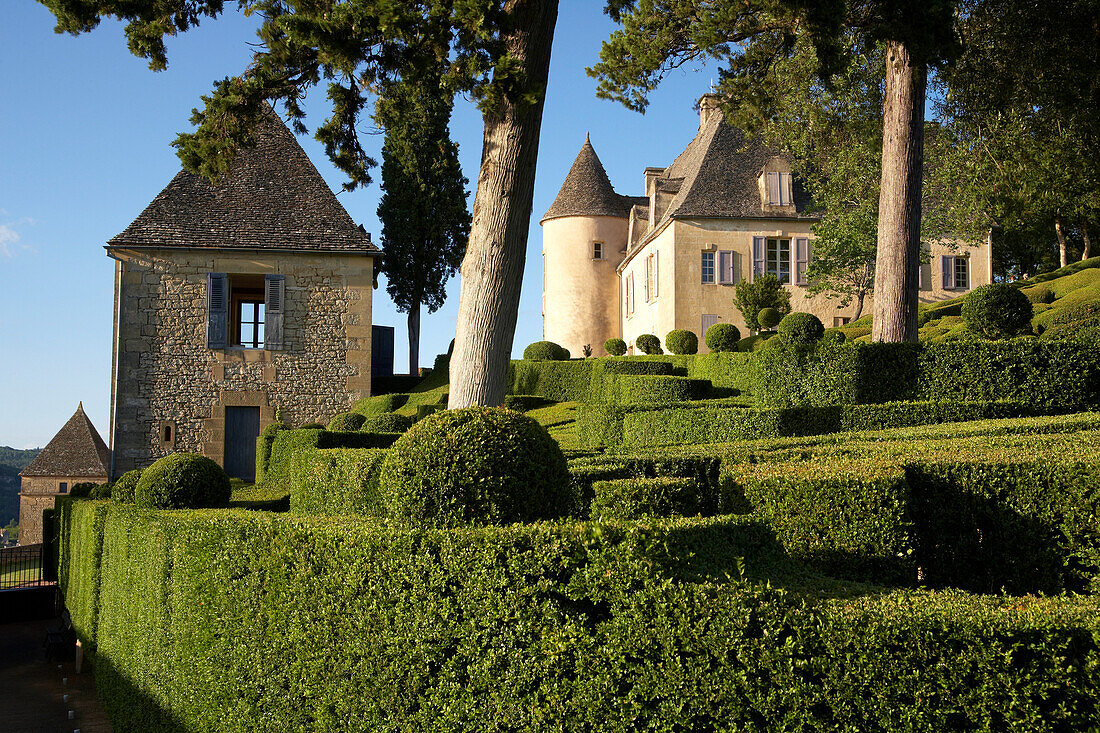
(165, 376)
(580, 294)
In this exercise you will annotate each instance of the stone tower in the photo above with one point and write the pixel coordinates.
(584, 236)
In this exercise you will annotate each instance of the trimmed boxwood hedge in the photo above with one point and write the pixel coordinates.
(290, 443)
(182, 481)
(633, 498)
(696, 424)
(217, 620)
(387, 422)
(1049, 375)
(647, 389)
(336, 481)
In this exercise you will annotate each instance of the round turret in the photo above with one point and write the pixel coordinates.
(584, 235)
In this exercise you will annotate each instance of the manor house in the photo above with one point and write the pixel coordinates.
(727, 208)
(234, 303)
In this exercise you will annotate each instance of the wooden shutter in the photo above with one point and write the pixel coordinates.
(773, 188)
(785, 189)
(274, 307)
(709, 319)
(758, 253)
(657, 274)
(725, 268)
(801, 259)
(947, 265)
(217, 309)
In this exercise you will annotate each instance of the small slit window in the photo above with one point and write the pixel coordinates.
(597, 250)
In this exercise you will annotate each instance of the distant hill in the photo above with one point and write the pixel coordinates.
(12, 461)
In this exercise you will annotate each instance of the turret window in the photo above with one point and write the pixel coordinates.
(597, 250)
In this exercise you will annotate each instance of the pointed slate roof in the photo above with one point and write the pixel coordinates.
(587, 191)
(719, 171)
(76, 450)
(273, 198)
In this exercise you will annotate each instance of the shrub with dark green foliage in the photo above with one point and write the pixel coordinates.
(802, 329)
(571, 626)
(768, 318)
(636, 366)
(633, 498)
(263, 447)
(82, 490)
(290, 443)
(1039, 294)
(682, 341)
(387, 422)
(371, 406)
(182, 481)
(525, 402)
(545, 351)
(312, 426)
(764, 292)
(100, 491)
(647, 343)
(833, 336)
(479, 465)
(722, 337)
(122, 491)
(997, 311)
(346, 422)
(615, 346)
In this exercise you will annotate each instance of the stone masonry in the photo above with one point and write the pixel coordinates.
(166, 376)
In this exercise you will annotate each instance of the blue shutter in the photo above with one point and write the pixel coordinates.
(725, 267)
(947, 265)
(274, 307)
(758, 253)
(217, 309)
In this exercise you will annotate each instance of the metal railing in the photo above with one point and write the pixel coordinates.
(21, 567)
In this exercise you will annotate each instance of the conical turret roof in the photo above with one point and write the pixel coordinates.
(76, 450)
(272, 198)
(587, 191)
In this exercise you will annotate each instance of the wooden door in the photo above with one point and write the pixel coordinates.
(242, 427)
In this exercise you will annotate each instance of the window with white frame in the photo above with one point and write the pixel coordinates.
(597, 250)
(777, 259)
(955, 272)
(706, 267)
(962, 273)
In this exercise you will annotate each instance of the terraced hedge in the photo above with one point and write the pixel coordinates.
(698, 423)
(235, 621)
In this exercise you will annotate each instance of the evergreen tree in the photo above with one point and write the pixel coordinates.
(425, 223)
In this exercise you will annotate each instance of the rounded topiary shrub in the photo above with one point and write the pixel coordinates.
(834, 337)
(997, 311)
(803, 329)
(647, 343)
(83, 490)
(615, 347)
(477, 465)
(122, 490)
(346, 422)
(722, 337)
(182, 481)
(1039, 294)
(768, 317)
(682, 341)
(387, 422)
(545, 351)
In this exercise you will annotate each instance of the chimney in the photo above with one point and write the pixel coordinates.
(708, 105)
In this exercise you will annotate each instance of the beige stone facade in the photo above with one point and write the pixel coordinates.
(725, 205)
(37, 494)
(170, 391)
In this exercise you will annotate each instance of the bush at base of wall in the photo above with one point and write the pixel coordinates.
(218, 620)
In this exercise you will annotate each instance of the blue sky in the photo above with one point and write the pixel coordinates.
(84, 147)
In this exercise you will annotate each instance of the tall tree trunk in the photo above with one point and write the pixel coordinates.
(1060, 230)
(1088, 245)
(414, 339)
(492, 270)
(898, 254)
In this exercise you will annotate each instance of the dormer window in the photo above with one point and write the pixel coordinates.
(779, 188)
(597, 250)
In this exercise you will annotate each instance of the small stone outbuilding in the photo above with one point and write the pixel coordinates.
(235, 302)
(77, 454)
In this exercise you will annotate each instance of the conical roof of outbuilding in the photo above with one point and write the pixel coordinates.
(76, 450)
(587, 191)
(272, 198)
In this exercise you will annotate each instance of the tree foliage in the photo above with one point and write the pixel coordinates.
(764, 292)
(423, 213)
